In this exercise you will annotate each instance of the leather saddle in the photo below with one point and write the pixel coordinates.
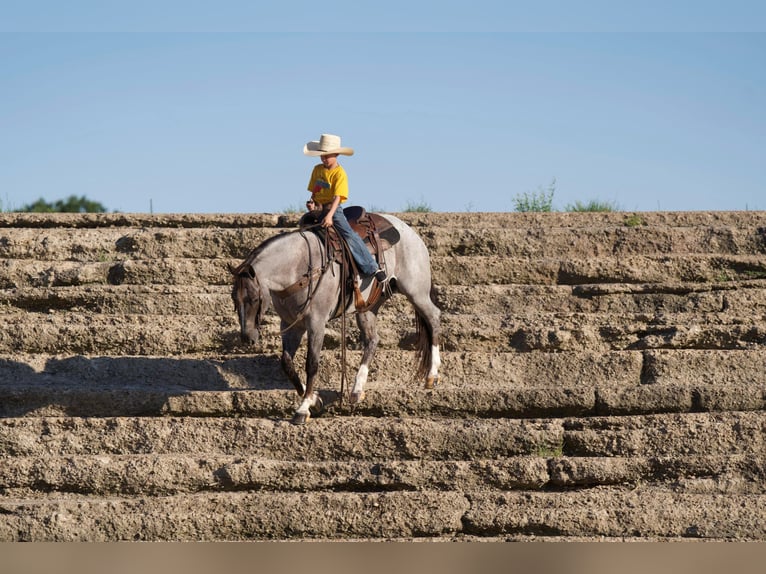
(377, 233)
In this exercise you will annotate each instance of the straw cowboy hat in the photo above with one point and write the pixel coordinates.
(326, 145)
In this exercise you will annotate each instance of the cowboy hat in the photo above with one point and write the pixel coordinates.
(326, 145)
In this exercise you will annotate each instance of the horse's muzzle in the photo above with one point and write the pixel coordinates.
(249, 336)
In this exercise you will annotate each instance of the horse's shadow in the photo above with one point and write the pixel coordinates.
(82, 386)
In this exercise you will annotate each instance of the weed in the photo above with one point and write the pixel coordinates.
(5, 206)
(726, 274)
(538, 200)
(546, 450)
(293, 209)
(593, 205)
(723, 276)
(634, 220)
(417, 207)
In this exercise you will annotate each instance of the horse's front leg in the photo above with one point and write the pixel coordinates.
(311, 400)
(291, 340)
(367, 323)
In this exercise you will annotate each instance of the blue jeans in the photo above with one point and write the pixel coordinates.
(364, 259)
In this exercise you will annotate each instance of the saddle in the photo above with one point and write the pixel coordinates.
(377, 233)
(375, 230)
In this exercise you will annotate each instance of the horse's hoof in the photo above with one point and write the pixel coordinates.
(300, 418)
(431, 382)
(356, 398)
(318, 407)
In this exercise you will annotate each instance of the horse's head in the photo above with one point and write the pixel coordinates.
(249, 302)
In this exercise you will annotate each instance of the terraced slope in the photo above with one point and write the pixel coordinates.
(603, 377)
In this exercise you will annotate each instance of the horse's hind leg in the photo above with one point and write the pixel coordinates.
(367, 323)
(429, 327)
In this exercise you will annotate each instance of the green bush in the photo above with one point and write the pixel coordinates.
(538, 200)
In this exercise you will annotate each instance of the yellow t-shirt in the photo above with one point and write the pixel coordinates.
(325, 184)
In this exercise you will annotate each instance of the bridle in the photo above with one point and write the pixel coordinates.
(253, 293)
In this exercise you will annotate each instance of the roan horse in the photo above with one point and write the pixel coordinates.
(293, 273)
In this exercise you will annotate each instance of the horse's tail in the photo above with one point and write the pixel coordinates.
(425, 341)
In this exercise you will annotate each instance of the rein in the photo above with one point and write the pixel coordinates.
(343, 330)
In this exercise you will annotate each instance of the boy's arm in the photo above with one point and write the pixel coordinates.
(327, 221)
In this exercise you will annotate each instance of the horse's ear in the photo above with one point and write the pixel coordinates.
(241, 270)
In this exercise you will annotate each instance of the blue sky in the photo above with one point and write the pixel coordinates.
(463, 111)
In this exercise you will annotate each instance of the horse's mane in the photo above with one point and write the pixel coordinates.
(257, 251)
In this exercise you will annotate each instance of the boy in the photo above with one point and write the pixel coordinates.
(329, 188)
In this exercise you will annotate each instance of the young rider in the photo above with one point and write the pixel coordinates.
(329, 189)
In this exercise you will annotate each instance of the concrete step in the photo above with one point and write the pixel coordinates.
(611, 512)
(499, 241)
(661, 219)
(74, 333)
(666, 434)
(331, 438)
(592, 241)
(513, 385)
(121, 299)
(572, 332)
(525, 240)
(338, 438)
(162, 475)
(736, 297)
(171, 474)
(46, 221)
(419, 220)
(131, 334)
(487, 269)
(382, 399)
(488, 369)
(719, 270)
(646, 512)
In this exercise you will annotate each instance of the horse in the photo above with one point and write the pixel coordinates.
(293, 273)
